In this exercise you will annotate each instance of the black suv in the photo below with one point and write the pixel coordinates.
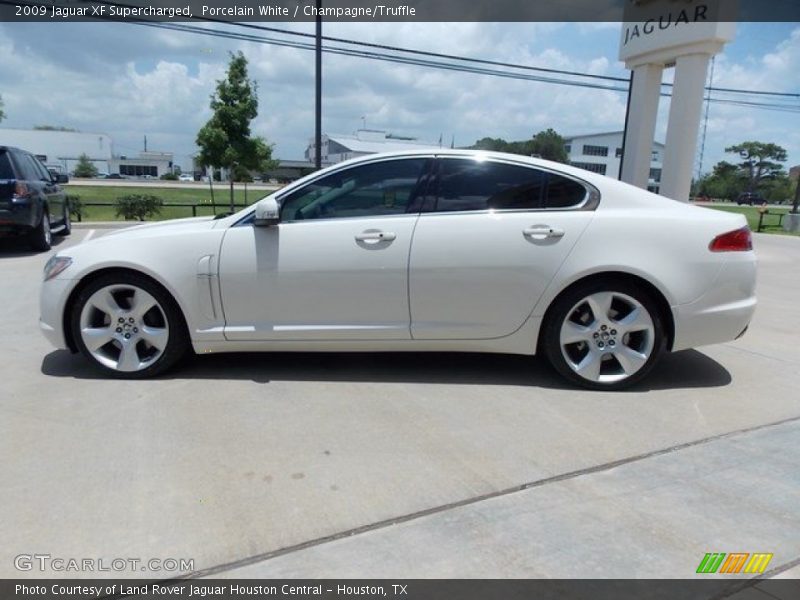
(750, 199)
(31, 201)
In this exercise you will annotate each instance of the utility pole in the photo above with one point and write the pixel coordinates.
(318, 108)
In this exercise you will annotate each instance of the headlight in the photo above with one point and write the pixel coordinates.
(56, 265)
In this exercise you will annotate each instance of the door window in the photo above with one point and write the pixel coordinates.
(377, 189)
(473, 185)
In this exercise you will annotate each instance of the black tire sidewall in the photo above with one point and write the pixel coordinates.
(551, 344)
(177, 342)
(38, 238)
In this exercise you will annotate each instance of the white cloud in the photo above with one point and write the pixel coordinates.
(158, 83)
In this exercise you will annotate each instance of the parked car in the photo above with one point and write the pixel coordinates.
(444, 250)
(32, 204)
(114, 176)
(750, 199)
(185, 177)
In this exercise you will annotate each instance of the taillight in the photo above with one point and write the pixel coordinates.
(20, 190)
(739, 240)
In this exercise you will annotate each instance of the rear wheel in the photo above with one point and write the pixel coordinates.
(67, 229)
(41, 238)
(604, 336)
(129, 326)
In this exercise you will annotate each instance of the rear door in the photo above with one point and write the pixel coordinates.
(488, 244)
(51, 191)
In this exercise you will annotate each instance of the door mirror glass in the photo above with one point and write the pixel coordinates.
(267, 212)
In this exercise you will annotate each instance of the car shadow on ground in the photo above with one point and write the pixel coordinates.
(681, 370)
(15, 247)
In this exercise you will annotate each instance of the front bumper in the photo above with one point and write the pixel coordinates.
(52, 301)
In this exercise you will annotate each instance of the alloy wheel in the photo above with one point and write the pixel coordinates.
(124, 327)
(607, 337)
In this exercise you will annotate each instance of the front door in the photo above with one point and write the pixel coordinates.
(335, 268)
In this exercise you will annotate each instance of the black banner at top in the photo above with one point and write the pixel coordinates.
(394, 10)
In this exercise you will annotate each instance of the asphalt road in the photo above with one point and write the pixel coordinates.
(402, 465)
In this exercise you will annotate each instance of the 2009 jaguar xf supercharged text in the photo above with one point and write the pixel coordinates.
(422, 251)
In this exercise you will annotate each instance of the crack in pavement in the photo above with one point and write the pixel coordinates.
(265, 556)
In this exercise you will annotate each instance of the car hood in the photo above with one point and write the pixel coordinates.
(162, 227)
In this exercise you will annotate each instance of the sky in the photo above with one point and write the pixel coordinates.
(129, 81)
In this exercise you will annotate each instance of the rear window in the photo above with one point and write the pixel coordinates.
(6, 172)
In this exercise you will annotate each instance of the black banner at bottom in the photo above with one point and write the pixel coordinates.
(396, 589)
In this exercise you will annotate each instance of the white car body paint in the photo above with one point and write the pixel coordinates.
(443, 282)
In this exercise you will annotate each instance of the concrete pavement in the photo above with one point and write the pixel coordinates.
(233, 459)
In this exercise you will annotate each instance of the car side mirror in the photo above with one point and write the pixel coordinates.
(268, 213)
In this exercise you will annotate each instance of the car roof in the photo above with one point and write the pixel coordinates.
(588, 176)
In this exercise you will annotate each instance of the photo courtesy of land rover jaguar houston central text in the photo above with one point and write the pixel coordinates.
(445, 250)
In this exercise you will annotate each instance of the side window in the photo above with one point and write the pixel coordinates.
(25, 168)
(466, 184)
(383, 188)
(479, 185)
(40, 168)
(563, 192)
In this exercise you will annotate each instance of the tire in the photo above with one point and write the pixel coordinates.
(603, 335)
(67, 229)
(128, 326)
(41, 238)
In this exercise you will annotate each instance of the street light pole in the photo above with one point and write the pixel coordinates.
(318, 108)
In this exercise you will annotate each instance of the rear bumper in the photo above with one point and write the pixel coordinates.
(18, 216)
(723, 313)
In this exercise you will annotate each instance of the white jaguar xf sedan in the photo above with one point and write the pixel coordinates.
(416, 251)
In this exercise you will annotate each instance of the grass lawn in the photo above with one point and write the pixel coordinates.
(770, 224)
(170, 196)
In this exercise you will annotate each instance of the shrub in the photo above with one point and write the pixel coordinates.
(75, 206)
(138, 206)
(169, 177)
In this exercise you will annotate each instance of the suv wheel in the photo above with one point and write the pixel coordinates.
(67, 229)
(41, 238)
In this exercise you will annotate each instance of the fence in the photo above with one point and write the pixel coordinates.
(193, 206)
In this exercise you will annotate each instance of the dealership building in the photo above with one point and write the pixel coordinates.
(61, 150)
(602, 153)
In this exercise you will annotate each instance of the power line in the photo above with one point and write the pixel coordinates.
(449, 66)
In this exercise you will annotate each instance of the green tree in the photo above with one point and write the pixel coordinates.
(779, 188)
(138, 206)
(225, 141)
(724, 182)
(549, 145)
(52, 128)
(546, 144)
(85, 167)
(760, 162)
(2, 112)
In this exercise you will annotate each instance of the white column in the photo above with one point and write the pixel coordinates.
(641, 124)
(684, 123)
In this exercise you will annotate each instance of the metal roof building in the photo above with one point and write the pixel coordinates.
(336, 147)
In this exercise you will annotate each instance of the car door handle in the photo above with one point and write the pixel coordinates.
(542, 232)
(376, 236)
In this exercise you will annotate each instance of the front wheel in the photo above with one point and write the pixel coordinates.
(129, 326)
(604, 336)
